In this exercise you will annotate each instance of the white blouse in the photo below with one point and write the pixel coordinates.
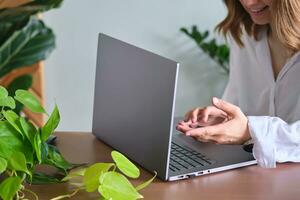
(272, 106)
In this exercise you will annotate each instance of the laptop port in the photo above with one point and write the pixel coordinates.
(191, 175)
(200, 173)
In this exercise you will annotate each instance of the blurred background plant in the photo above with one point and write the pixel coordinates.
(24, 40)
(218, 52)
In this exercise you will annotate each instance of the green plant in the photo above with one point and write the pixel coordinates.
(23, 146)
(104, 178)
(218, 52)
(24, 40)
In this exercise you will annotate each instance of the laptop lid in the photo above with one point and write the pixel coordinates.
(134, 102)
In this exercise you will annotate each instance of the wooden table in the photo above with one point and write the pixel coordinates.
(252, 182)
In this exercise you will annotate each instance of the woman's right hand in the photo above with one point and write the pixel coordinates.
(206, 116)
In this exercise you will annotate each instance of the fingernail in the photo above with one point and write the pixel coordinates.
(187, 134)
(215, 100)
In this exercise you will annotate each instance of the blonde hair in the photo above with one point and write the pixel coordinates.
(285, 20)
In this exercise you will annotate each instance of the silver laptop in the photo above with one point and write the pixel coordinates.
(134, 107)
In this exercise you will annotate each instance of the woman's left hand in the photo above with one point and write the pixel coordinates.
(233, 131)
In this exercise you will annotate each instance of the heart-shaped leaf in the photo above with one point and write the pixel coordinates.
(125, 165)
(116, 186)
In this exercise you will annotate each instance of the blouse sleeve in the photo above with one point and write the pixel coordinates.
(274, 140)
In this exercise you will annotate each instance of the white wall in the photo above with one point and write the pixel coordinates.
(153, 25)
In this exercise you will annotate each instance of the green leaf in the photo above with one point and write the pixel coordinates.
(125, 165)
(75, 173)
(17, 162)
(145, 184)
(22, 82)
(3, 165)
(37, 147)
(116, 186)
(11, 141)
(28, 130)
(7, 102)
(92, 174)
(55, 159)
(29, 100)
(51, 124)
(13, 119)
(41, 178)
(28, 44)
(9, 187)
(3, 92)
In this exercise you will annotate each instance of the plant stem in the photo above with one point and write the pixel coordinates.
(33, 193)
(67, 195)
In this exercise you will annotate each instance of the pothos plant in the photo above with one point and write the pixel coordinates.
(24, 146)
(218, 52)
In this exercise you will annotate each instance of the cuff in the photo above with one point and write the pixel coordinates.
(263, 139)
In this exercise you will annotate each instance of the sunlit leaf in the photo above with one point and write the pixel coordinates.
(17, 162)
(116, 186)
(9, 187)
(125, 165)
(13, 119)
(29, 100)
(74, 173)
(51, 124)
(92, 174)
(3, 165)
(7, 102)
(3, 92)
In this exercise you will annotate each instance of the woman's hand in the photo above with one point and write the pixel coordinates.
(233, 131)
(199, 117)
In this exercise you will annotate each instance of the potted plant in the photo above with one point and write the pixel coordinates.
(24, 41)
(23, 147)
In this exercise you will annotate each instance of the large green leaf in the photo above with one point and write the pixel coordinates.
(29, 100)
(51, 124)
(3, 165)
(125, 165)
(116, 186)
(13, 119)
(26, 46)
(11, 141)
(92, 175)
(9, 187)
(17, 162)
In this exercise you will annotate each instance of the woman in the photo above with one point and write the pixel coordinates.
(261, 101)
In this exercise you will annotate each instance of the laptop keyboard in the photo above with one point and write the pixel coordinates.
(183, 158)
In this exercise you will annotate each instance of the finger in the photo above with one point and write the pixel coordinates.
(183, 128)
(225, 106)
(194, 114)
(211, 111)
(207, 132)
(188, 115)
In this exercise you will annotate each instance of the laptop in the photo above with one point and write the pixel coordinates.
(133, 112)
